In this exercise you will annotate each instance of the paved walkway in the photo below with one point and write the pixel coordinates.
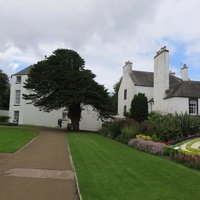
(40, 171)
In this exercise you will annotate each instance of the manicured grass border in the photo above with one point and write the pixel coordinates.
(189, 146)
(109, 170)
(14, 138)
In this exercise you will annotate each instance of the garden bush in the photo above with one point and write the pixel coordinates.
(4, 119)
(127, 132)
(172, 127)
(144, 137)
(103, 131)
(111, 130)
(155, 148)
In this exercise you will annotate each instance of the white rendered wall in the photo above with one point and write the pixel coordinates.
(176, 105)
(29, 114)
(90, 119)
(127, 84)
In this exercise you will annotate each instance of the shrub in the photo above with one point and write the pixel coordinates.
(169, 151)
(156, 148)
(172, 127)
(103, 131)
(139, 107)
(127, 132)
(144, 137)
(187, 124)
(155, 138)
(4, 119)
(112, 130)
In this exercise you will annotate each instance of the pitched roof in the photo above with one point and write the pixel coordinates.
(142, 78)
(189, 89)
(177, 87)
(25, 71)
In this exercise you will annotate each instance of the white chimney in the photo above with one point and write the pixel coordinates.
(161, 77)
(127, 69)
(184, 72)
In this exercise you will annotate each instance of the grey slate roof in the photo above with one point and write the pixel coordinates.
(142, 78)
(189, 89)
(177, 87)
(25, 71)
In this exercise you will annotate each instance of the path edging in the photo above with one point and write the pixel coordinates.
(26, 145)
(72, 165)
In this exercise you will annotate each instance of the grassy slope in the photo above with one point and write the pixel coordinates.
(110, 170)
(14, 138)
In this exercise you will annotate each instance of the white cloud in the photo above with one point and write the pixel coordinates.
(105, 33)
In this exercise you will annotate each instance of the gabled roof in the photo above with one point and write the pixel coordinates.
(189, 89)
(142, 78)
(25, 71)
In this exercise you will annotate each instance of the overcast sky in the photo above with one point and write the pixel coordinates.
(106, 33)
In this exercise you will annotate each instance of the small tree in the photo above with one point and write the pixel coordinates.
(139, 107)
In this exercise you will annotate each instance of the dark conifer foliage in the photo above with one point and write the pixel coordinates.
(139, 107)
(61, 81)
(4, 91)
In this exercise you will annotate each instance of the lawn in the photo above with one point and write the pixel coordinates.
(14, 138)
(109, 170)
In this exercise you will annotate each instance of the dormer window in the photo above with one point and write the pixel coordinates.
(18, 79)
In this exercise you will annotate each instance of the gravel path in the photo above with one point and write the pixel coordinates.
(40, 171)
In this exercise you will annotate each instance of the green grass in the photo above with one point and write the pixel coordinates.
(189, 148)
(108, 170)
(14, 138)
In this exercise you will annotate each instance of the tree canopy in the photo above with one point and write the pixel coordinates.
(4, 91)
(139, 107)
(61, 81)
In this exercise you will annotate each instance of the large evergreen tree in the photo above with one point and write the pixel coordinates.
(4, 91)
(114, 97)
(139, 107)
(60, 81)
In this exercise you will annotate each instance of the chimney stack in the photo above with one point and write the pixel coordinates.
(127, 69)
(184, 72)
(161, 77)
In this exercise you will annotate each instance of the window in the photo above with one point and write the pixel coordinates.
(18, 79)
(125, 110)
(193, 106)
(17, 97)
(125, 94)
(16, 116)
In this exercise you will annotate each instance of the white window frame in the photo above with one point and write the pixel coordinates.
(17, 97)
(193, 106)
(18, 79)
(16, 116)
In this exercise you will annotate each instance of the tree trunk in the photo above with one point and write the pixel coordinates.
(74, 113)
(75, 124)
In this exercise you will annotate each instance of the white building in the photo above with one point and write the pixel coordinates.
(25, 113)
(166, 93)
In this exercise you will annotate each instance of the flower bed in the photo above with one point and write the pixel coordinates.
(156, 148)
